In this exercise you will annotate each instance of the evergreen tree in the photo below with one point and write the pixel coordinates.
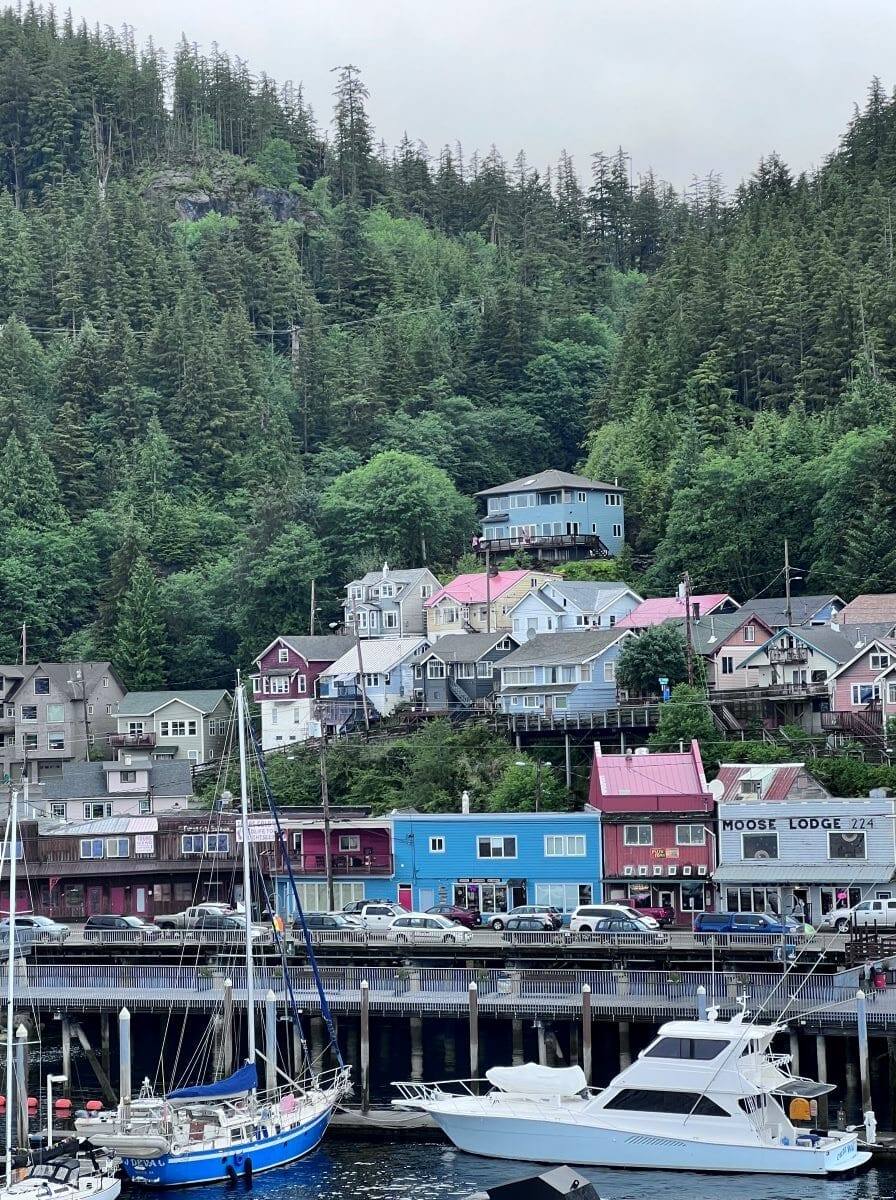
(139, 645)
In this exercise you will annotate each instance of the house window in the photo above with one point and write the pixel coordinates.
(55, 714)
(296, 842)
(465, 671)
(484, 670)
(108, 710)
(727, 664)
(57, 810)
(880, 662)
(105, 681)
(55, 741)
(355, 592)
(846, 845)
(390, 620)
(279, 685)
(144, 806)
(564, 896)
(617, 530)
(349, 842)
(301, 681)
(613, 499)
(29, 741)
(96, 810)
(177, 728)
(891, 693)
(496, 847)
(759, 845)
(749, 633)
(90, 710)
(564, 846)
(532, 701)
(437, 845)
(560, 703)
(518, 676)
(581, 497)
(283, 655)
(205, 843)
(41, 686)
(362, 619)
(91, 847)
(435, 669)
(864, 693)
(371, 680)
(387, 590)
(425, 591)
(29, 712)
(118, 848)
(135, 727)
(450, 616)
(610, 672)
(127, 776)
(690, 835)
(637, 835)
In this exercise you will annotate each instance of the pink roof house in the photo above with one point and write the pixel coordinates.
(463, 604)
(656, 828)
(669, 608)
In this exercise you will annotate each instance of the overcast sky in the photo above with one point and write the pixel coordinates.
(686, 86)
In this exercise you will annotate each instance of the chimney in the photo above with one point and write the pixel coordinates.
(385, 570)
(465, 802)
(695, 609)
(680, 593)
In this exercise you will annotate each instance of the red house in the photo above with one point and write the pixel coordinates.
(656, 828)
(285, 687)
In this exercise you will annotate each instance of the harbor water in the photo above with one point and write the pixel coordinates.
(342, 1170)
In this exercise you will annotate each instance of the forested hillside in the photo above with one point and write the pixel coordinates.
(245, 347)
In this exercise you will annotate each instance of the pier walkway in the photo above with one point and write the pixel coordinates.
(819, 1001)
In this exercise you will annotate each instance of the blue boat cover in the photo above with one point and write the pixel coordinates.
(241, 1081)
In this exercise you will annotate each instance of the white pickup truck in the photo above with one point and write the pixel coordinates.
(188, 918)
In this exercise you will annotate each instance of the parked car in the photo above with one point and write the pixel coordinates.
(334, 922)
(424, 927)
(228, 923)
(586, 916)
(36, 927)
(607, 929)
(531, 923)
(113, 927)
(706, 924)
(471, 917)
(499, 920)
(355, 906)
(663, 914)
(378, 914)
(867, 912)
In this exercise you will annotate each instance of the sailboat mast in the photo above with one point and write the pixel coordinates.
(10, 981)
(247, 875)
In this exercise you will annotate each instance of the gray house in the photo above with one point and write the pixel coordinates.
(458, 672)
(389, 603)
(562, 672)
(56, 713)
(178, 725)
(95, 791)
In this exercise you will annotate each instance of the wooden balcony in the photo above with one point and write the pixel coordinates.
(589, 542)
(132, 741)
(788, 654)
(347, 862)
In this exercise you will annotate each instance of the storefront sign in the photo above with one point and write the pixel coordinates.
(668, 852)
(751, 824)
(498, 880)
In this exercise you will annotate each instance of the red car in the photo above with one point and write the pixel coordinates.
(463, 916)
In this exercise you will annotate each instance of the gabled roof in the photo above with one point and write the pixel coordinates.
(465, 647)
(650, 774)
(777, 781)
(665, 608)
(773, 610)
(471, 589)
(88, 781)
(65, 673)
(550, 479)
(881, 645)
(869, 608)
(378, 655)
(556, 648)
(591, 596)
(833, 645)
(325, 647)
(142, 704)
(709, 633)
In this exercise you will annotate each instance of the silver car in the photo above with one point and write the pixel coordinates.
(35, 928)
(426, 927)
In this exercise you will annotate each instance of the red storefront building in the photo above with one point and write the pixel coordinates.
(657, 829)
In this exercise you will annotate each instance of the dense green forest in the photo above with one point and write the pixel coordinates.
(244, 347)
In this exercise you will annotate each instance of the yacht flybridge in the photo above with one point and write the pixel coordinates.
(705, 1095)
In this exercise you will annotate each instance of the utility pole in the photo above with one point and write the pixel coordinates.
(311, 621)
(24, 644)
(488, 589)
(325, 805)
(787, 583)
(687, 628)
(361, 670)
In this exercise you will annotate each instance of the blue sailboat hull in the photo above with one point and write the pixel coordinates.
(263, 1153)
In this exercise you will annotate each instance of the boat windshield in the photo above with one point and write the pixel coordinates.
(60, 1172)
(699, 1049)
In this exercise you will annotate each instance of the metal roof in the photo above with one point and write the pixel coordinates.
(589, 596)
(651, 774)
(658, 609)
(377, 655)
(545, 480)
(777, 780)
(101, 828)
(477, 587)
(142, 704)
(778, 874)
(464, 647)
(557, 648)
(881, 607)
(773, 609)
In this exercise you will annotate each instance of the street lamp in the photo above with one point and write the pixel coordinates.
(538, 768)
(51, 1079)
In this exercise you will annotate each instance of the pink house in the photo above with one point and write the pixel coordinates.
(285, 686)
(862, 692)
(669, 608)
(480, 602)
(724, 641)
(656, 828)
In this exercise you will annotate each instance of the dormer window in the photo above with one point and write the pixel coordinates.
(387, 589)
(355, 592)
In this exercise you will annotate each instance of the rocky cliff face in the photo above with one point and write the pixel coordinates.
(227, 196)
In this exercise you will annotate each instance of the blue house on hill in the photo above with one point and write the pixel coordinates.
(554, 516)
(495, 861)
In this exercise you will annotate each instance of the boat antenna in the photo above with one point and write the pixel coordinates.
(247, 876)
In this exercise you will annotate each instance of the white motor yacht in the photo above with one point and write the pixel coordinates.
(704, 1096)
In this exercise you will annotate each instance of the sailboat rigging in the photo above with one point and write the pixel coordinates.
(220, 1131)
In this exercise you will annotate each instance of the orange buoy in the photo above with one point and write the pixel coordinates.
(62, 1105)
(94, 1105)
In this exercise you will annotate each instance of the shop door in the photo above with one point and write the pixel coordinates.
(95, 900)
(427, 898)
(140, 901)
(406, 896)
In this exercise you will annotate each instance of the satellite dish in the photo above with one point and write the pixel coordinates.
(717, 790)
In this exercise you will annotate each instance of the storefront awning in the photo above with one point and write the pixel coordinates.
(778, 874)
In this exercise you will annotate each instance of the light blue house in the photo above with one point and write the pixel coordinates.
(378, 675)
(562, 672)
(495, 861)
(569, 607)
(554, 516)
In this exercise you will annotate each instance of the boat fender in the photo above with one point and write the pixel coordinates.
(231, 1174)
(247, 1172)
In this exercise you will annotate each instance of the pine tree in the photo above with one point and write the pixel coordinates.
(139, 646)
